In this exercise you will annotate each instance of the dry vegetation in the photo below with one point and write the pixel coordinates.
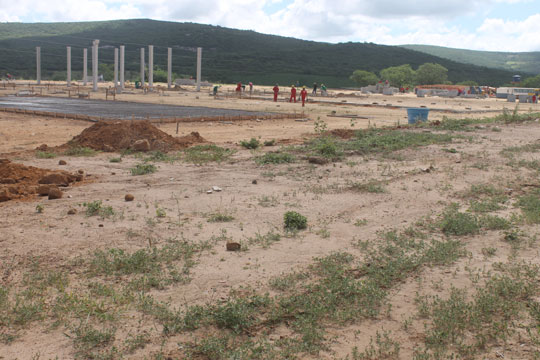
(414, 242)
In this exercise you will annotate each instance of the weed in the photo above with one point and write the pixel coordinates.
(491, 222)
(373, 187)
(490, 251)
(143, 169)
(294, 221)
(80, 151)
(251, 144)
(360, 222)
(160, 213)
(115, 160)
(384, 347)
(268, 201)
(264, 240)
(201, 154)
(40, 208)
(45, 155)
(269, 142)
(219, 217)
(457, 223)
(96, 208)
(275, 158)
(327, 147)
(530, 206)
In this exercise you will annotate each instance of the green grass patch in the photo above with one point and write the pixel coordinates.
(202, 154)
(80, 151)
(96, 208)
(45, 154)
(143, 169)
(275, 158)
(250, 144)
(219, 217)
(454, 222)
(530, 206)
(373, 187)
(115, 160)
(294, 221)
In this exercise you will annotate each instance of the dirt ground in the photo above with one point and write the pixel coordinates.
(349, 204)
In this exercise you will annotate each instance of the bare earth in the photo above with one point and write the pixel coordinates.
(173, 205)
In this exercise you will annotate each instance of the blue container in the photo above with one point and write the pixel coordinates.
(417, 114)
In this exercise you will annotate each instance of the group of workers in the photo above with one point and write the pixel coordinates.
(240, 88)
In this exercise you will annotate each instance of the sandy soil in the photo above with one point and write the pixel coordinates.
(337, 216)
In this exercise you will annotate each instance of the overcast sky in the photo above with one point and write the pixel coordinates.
(499, 25)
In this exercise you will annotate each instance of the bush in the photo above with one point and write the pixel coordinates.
(251, 144)
(294, 221)
(143, 169)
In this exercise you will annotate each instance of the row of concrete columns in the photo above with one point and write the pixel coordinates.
(117, 57)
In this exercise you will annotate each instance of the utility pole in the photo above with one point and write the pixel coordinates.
(150, 66)
(142, 68)
(115, 67)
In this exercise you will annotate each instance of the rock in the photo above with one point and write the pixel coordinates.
(100, 225)
(108, 148)
(8, 181)
(62, 162)
(55, 179)
(79, 177)
(42, 147)
(209, 192)
(254, 182)
(80, 171)
(233, 246)
(55, 193)
(43, 190)
(72, 211)
(129, 197)
(216, 188)
(141, 145)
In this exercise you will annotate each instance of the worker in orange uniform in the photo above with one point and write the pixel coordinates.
(293, 94)
(276, 92)
(303, 94)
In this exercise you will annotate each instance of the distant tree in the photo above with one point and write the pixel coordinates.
(364, 78)
(430, 74)
(468, 83)
(398, 75)
(531, 82)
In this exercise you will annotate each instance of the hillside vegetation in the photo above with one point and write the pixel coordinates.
(228, 55)
(520, 62)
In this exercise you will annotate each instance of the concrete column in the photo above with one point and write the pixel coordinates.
(169, 68)
(38, 65)
(115, 67)
(199, 60)
(95, 67)
(142, 67)
(85, 66)
(69, 66)
(150, 65)
(122, 72)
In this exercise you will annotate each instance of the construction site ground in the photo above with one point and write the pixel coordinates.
(415, 251)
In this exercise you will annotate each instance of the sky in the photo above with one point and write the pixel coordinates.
(496, 25)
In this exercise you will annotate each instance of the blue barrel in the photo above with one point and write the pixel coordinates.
(417, 114)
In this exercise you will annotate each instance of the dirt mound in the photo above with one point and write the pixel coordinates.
(18, 181)
(115, 136)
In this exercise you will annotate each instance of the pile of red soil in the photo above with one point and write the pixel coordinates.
(115, 136)
(18, 181)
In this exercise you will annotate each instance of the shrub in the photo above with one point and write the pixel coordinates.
(143, 169)
(294, 221)
(251, 144)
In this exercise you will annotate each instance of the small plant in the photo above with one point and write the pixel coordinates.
(360, 222)
(45, 155)
(251, 144)
(275, 158)
(80, 151)
(218, 217)
(95, 208)
(370, 187)
(143, 169)
(457, 223)
(320, 126)
(160, 213)
(294, 221)
(40, 208)
(115, 160)
(201, 154)
(269, 142)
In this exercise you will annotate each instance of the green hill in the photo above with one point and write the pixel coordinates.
(228, 55)
(518, 62)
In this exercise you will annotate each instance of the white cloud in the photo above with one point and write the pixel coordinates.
(381, 21)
